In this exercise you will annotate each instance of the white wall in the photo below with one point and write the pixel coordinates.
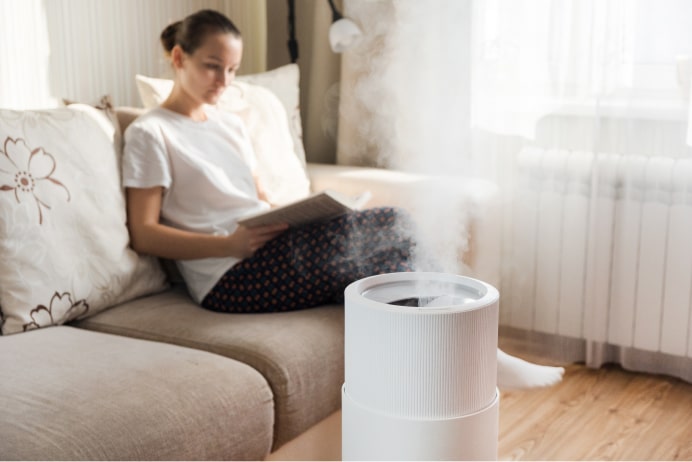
(319, 70)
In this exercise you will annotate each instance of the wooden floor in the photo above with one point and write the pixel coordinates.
(604, 414)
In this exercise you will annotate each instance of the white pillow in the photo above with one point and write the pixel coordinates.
(268, 104)
(64, 242)
(284, 82)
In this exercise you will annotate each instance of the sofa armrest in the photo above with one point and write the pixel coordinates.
(388, 187)
(415, 193)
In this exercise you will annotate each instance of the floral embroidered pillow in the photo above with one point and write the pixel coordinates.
(64, 244)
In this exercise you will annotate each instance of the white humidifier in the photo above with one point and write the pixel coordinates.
(420, 368)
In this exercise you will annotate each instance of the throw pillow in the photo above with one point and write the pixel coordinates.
(268, 105)
(284, 82)
(63, 235)
(283, 175)
(105, 104)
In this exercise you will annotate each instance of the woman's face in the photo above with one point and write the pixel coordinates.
(206, 73)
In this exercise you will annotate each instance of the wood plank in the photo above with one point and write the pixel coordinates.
(604, 414)
(594, 414)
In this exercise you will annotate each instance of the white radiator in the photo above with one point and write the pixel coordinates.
(600, 248)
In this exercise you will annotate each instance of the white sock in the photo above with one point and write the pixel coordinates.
(516, 374)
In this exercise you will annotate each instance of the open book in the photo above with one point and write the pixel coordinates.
(320, 206)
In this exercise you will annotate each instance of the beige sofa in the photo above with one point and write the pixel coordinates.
(158, 377)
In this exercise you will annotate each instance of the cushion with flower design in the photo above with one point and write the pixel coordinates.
(64, 242)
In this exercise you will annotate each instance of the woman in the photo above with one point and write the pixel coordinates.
(188, 173)
(188, 170)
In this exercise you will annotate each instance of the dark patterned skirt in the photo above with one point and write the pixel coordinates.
(311, 265)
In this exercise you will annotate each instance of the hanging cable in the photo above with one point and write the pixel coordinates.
(292, 42)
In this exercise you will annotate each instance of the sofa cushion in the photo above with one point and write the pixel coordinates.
(300, 353)
(71, 394)
(63, 230)
(270, 122)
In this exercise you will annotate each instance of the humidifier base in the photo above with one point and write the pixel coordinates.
(369, 435)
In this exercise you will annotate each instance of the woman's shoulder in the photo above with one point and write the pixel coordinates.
(159, 120)
(151, 123)
(148, 118)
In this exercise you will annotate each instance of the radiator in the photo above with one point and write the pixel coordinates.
(599, 247)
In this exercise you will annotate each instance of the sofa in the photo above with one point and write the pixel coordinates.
(104, 355)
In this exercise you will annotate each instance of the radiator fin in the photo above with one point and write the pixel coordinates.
(601, 249)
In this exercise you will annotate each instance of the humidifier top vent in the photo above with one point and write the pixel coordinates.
(429, 291)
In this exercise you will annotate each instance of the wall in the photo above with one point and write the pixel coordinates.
(320, 70)
(83, 49)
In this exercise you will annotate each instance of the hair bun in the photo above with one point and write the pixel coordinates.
(168, 36)
(191, 32)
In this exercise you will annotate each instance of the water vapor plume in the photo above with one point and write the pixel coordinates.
(405, 106)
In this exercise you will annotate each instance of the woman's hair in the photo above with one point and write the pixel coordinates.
(191, 31)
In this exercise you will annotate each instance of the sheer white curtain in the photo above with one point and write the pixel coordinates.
(24, 22)
(533, 57)
(581, 104)
(575, 109)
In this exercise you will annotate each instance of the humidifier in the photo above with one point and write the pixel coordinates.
(420, 368)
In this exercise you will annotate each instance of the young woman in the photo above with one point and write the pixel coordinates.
(188, 173)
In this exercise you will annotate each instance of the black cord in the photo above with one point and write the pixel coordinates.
(292, 42)
(335, 13)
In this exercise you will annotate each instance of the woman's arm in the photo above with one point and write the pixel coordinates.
(149, 236)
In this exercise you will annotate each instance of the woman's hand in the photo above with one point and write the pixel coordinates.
(246, 241)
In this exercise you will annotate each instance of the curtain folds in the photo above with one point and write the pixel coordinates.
(82, 49)
(532, 58)
(574, 109)
(600, 173)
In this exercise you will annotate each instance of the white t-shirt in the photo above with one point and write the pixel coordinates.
(205, 169)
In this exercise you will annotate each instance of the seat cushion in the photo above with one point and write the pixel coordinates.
(71, 394)
(300, 353)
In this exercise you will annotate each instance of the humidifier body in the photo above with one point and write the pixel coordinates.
(420, 381)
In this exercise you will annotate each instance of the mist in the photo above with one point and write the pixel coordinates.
(412, 85)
